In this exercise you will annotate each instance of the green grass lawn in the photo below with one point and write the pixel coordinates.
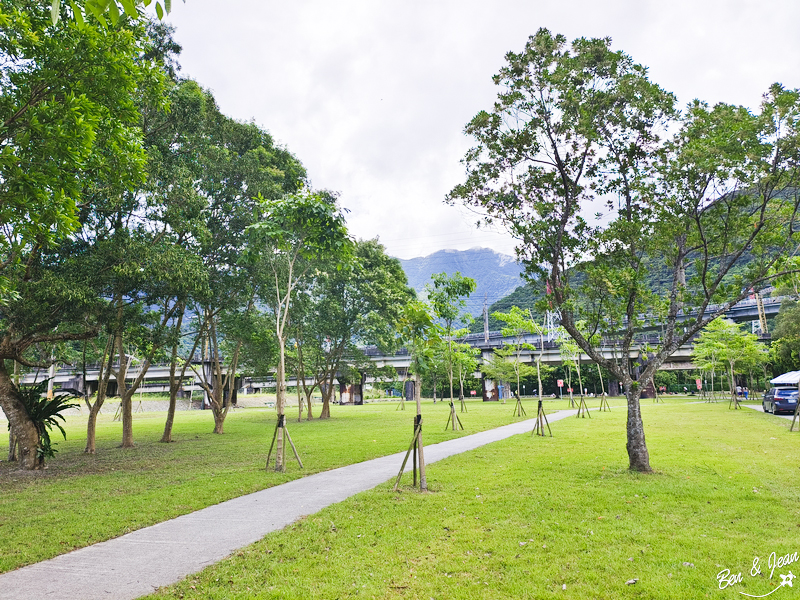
(552, 517)
(83, 499)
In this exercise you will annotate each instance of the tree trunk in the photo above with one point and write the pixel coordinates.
(127, 420)
(326, 399)
(12, 446)
(91, 427)
(219, 411)
(166, 437)
(602, 386)
(21, 424)
(280, 404)
(174, 384)
(299, 402)
(309, 416)
(102, 387)
(638, 456)
(538, 377)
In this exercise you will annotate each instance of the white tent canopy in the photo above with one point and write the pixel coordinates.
(792, 378)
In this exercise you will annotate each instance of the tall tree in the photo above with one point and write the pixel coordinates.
(72, 90)
(242, 167)
(355, 305)
(580, 126)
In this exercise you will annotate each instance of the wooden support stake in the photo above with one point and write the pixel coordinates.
(541, 421)
(794, 418)
(454, 417)
(519, 410)
(414, 460)
(583, 410)
(272, 445)
(281, 424)
(411, 447)
(291, 443)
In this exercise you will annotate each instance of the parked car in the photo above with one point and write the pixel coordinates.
(780, 400)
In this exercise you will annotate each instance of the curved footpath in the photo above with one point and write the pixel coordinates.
(138, 563)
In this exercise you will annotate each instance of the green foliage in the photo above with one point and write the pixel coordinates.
(710, 195)
(81, 10)
(447, 297)
(45, 414)
(667, 379)
(419, 333)
(723, 344)
(507, 363)
(71, 89)
(785, 348)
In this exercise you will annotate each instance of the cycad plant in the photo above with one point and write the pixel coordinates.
(45, 414)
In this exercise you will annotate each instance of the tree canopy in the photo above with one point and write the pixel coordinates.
(579, 130)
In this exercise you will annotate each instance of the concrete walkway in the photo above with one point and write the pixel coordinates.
(138, 563)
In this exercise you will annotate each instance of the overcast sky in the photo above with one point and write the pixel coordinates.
(373, 96)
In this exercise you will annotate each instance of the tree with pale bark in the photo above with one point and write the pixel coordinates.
(294, 234)
(723, 341)
(447, 296)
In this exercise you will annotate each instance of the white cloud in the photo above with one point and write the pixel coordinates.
(373, 96)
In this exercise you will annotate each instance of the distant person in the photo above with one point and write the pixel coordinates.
(746, 392)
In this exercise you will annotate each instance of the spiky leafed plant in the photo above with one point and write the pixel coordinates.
(45, 414)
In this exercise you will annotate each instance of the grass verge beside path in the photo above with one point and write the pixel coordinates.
(83, 499)
(542, 517)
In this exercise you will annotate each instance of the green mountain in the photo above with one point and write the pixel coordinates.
(496, 275)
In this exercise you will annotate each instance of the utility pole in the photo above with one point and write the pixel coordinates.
(762, 317)
(486, 318)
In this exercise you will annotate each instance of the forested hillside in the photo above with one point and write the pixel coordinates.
(496, 275)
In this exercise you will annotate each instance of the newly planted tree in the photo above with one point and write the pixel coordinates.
(724, 341)
(419, 333)
(349, 306)
(518, 326)
(295, 234)
(447, 297)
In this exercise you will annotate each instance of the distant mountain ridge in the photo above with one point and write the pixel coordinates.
(496, 274)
